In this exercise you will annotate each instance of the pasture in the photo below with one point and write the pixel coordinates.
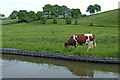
(39, 37)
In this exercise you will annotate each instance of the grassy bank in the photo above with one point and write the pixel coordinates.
(39, 37)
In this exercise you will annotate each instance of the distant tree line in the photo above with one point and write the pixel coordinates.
(52, 12)
(2, 15)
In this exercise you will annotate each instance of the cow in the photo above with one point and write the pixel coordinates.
(81, 39)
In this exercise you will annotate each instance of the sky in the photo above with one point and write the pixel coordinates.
(7, 6)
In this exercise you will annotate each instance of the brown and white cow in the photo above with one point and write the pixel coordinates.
(82, 39)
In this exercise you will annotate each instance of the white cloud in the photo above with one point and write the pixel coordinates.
(7, 6)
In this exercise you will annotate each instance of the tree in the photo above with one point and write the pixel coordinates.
(57, 10)
(31, 16)
(65, 11)
(47, 10)
(14, 15)
(43, 19)
(22, 15)
(75, 13)
(68, 20)
(76, 22)
(39, 14)
(92, 8)
(97, 7)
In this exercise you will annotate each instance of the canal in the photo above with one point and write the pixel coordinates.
(17, 66)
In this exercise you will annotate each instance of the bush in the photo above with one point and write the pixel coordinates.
(54, 20)
(43, 19)
(68, 20)
(91, 24)
(76, 22)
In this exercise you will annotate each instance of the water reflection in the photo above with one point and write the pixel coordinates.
(35, 67)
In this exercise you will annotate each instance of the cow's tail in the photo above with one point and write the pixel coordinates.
(95, 42)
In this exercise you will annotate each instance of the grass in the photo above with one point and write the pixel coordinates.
(9, 21)
(39, 37)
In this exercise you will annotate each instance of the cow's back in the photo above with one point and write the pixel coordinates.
(81, 39)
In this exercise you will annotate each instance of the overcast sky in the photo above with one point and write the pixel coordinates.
(7, 6)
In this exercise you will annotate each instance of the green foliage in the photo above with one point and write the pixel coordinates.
(47, 10)
(91, 24)
(97, 7)
(58, 11)
(32, 15)
(39, 14)
(22, 15)
(92, 8)
(14, 15)
(43, 19)
(75, 13)
(54, 20)
(83, 15)
(68, 20)
(76, 21)
(25, 16)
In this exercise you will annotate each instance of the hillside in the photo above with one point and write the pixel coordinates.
(39, 37)
(107, 19)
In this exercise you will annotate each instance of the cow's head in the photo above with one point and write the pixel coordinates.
(66, 45)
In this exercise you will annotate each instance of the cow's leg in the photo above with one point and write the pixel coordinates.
(75, 46)
(90, 45)
(88, 48)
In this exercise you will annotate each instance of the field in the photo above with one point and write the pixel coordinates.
(39, 37)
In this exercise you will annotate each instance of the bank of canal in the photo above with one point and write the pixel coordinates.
(59, 56)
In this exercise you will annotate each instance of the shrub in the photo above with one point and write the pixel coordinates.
(54, 20)
(91, 24)
(76, 22)
(68, 20)
(43, 19)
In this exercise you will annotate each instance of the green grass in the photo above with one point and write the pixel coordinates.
(8, 21)
(39, 37)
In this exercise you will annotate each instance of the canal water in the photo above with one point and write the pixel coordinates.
(17, 66)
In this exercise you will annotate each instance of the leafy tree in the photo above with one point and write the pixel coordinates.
(43, 19)
(22, 15)
(68, 20)
(53, 12)
(65, 11)
(92, 8)
(14, 15)
(75, 13)
(32, 15)
(39, 14)
(97, 7)
(57, 10)
(47, 10)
